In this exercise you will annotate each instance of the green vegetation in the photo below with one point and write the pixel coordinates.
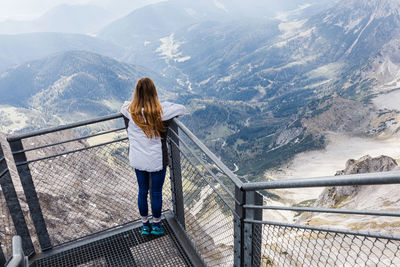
(304, 204)
(264, 160)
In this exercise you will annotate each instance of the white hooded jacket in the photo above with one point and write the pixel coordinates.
(147, 154)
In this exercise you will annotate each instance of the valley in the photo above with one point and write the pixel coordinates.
(261, 91)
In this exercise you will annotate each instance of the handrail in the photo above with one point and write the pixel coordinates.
(324, 229)
(67, 141)
(319, 210)
(211, 155)
(17, 137)
(18, 163)
(392, 177)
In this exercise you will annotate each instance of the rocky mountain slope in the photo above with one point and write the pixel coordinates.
(323, 71)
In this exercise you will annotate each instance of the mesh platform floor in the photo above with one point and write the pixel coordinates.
(129, 248)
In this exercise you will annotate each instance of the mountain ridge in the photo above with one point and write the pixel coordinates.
(74, 85)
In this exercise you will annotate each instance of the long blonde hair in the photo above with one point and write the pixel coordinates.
(146, 110)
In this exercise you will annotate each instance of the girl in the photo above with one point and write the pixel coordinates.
(147, 123)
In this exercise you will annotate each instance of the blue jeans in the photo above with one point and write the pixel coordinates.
(157, 182)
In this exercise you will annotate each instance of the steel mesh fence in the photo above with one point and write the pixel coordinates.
(84, 188)
(208, 218)
(296, 246)
(7, 230)
(327, 240)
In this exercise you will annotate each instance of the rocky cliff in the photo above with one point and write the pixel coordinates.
(367, 197)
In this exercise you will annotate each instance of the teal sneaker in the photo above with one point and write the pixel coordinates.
(157, 230)
(145, 230)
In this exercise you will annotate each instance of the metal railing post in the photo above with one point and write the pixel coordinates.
(14, 207)
(252, 232)
(238, 228)
(30, 194)
(176, 175)
(18, 258)
(2, 257)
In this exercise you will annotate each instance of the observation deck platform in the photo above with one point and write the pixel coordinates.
(70, 195)
(126, 246)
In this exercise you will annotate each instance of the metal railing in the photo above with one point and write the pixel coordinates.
(208, 197)
(12, 220)
(78, 182)
(226, 221)
(305, 242)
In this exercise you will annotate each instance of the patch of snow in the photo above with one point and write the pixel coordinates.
(225, 79)
(220, 6)
(180, 82)
(4, 74)
(12, 118)
(262, 91)
(352, 24)
(318, 84)
(290, 28)
(250, 67)
(306, 33)
(339, 24)
(387, 74)
(358, 37)
(205, 81)
(303, 61)
(112, 104)
(123, 77)
(329, 71)
(389, 101)
(169, 49)
(146, 43)
(236, 167)
(183, 59)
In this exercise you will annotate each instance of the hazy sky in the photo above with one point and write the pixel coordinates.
(27, 9)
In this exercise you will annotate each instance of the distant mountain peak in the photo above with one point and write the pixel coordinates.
(377, 8)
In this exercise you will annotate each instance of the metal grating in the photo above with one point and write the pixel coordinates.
(129, 248)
